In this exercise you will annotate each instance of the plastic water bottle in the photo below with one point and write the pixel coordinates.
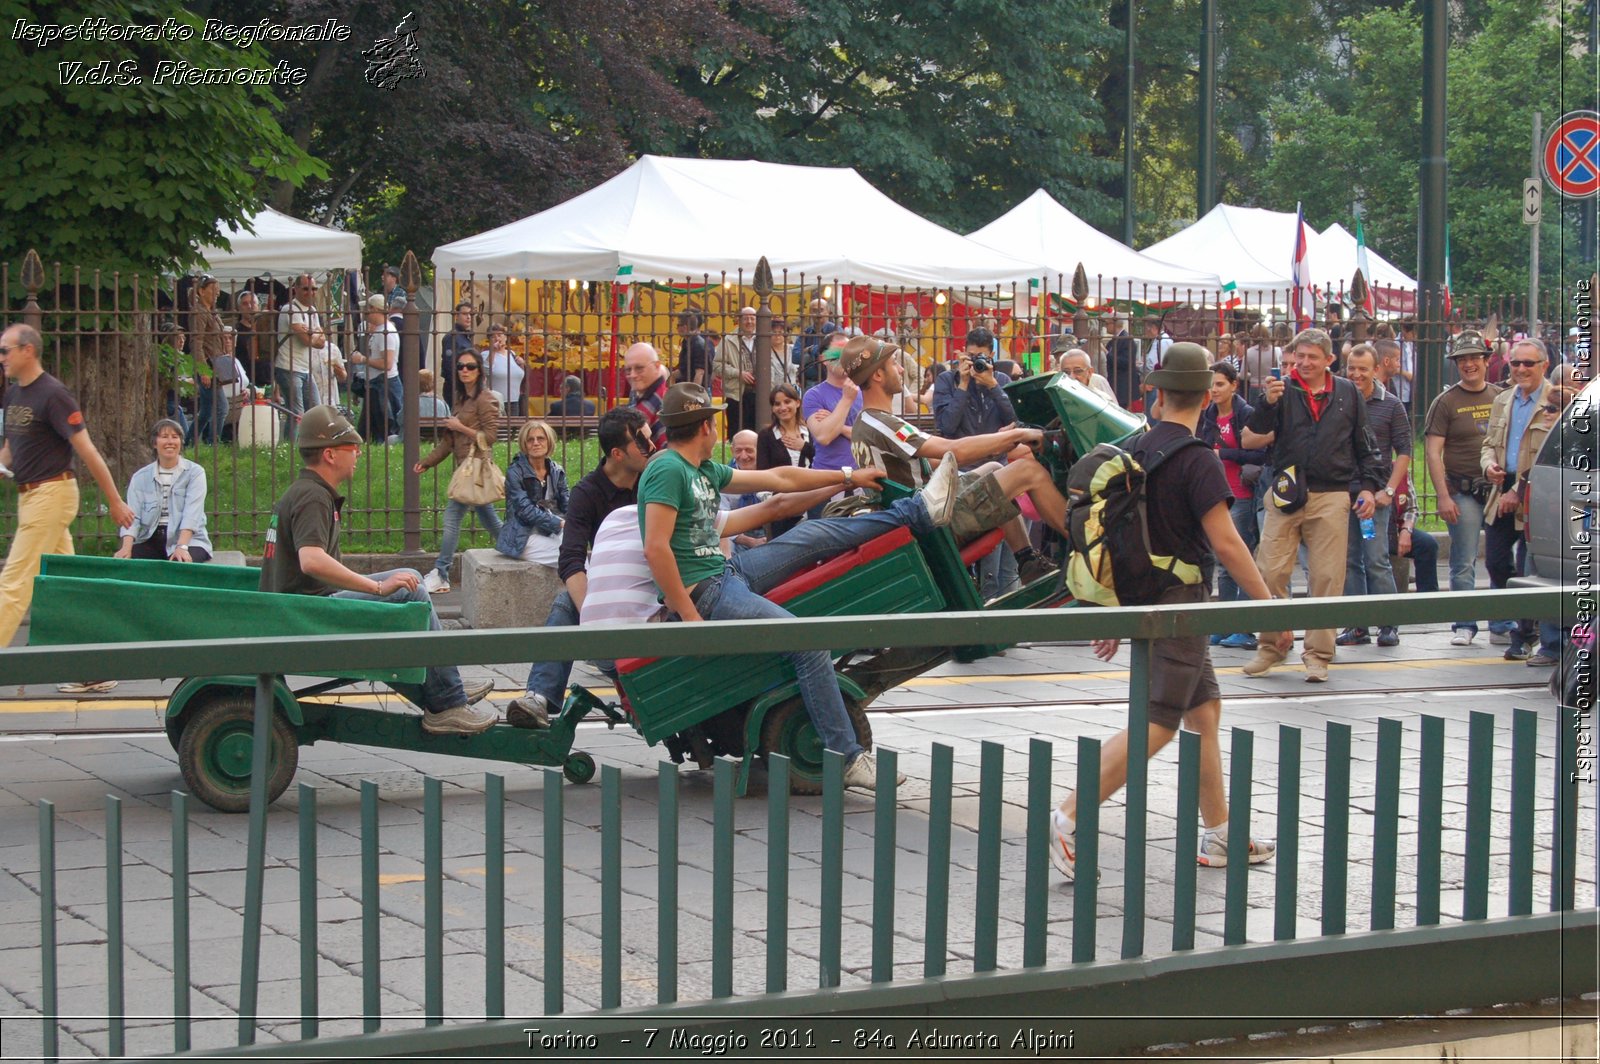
(1368, 529)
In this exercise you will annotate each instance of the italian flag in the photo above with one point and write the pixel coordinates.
(1364, 266)
(622, 290)
(1229, 300)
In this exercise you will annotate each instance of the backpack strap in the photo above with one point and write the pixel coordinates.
(1159, 457)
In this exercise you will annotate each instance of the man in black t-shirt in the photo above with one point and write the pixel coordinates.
(1188, 502)
(43, 431)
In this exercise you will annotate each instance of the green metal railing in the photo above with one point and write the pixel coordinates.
(1551, 946)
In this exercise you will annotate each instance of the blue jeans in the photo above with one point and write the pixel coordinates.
(997, 572)
(297, 391)
(453, 513)
(441, 687)
(1505, 555)
(549, 678)
(1425, 560)
(1243, 512)
(1464, 549)
(764, 568)
(396, 393)
(1367, 570)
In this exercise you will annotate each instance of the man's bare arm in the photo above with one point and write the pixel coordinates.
(776, 508)
(660, 521)
(320, 565)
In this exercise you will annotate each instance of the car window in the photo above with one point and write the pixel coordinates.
(1574, 442)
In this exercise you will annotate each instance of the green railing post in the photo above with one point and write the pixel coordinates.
(667, 884)
(432, 902)
(310, 1008)
(722, 877)
(832, 898)
(1086, 880)
(47, 930)
(936, 922)
(371, 986)
(1430, 820)
(777, 873)
(1286, 887)
(1524, 758)
(1236, 895)
(883, 866)
(610, 887)
(991, 799)
(116, 999)
(1564, 843)
(1036, 861)
(1480, 792)
(1136, 827)
(1386, 825)
(255, 859)
(555, 858)
(494, 890)
(1336, 830)
(1187, 844)
(180, 922)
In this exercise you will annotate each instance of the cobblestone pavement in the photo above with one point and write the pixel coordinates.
(1057, 693)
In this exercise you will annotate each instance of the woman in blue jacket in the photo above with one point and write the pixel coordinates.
(168, 500)
(1221, 428)
(536, 498)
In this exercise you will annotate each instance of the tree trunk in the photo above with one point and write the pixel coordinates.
(114, 377)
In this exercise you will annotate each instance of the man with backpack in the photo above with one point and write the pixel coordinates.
(1186, 501)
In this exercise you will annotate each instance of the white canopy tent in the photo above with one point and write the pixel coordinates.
(1039, 229)
(282, 246)
(674, 219)
(1249, 246)
(1392, 289)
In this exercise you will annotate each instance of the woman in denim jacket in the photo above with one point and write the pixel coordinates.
(536, 498)
(168, 500)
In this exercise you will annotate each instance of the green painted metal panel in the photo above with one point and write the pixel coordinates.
(1480, 794)
(1236, 897)
(1185, 870)
(777, 873)
(1430, 820)
(48, 974)
(1386, 825)
(1564, 846)
(180, 924)
(1286, 885)
(884, 807)
(667, 883)
(832, 894)
(116, 998)
(991, 806)
(1036, 861)
(403, 731)
(1336, 830)
(494, 895)
(187, 692)
(936, 918)
(255, 857)
(722, 877)
(371, 980)
(432, 902)
(1524, 754)
(1086, 881)
(149, 571)
(1138, 798)
(610, 887)
(555, 850)
(310, 1007)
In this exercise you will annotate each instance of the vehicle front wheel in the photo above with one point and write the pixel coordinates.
(216, 746)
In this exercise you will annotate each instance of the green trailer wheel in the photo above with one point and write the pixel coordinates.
(216, 746)
(788, 730)
(579, 767)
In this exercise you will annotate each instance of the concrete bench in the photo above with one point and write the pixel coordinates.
(501, 592)
(228, 557)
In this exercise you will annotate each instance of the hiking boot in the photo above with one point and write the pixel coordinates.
(460, 720)
(529, 711)
(1516, 652)
(1353, 637)
(1064, 844)
(1260, 665)
(477, 690)
(1037, 567)
(863, 772)
(939, 494)
(1239, 641)
(1541, 660)
(1462, 637)
(87, 687)
(1214, 848)
(434, 583)
(1388, 636)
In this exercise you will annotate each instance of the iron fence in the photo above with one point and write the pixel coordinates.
(122, 344)
(1470, 845)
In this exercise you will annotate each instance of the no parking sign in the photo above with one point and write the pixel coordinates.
(1572, 155)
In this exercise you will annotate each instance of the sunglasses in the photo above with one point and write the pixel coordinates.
(463, 367)
(1523, 363)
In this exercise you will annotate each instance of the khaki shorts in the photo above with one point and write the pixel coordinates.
(1181, 677)
(981, 506)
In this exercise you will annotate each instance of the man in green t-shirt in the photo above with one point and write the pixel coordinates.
(678, 515)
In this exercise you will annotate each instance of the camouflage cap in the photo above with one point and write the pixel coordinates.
(685, 404)
(863, 355)
(323, 426)
(1468, 342)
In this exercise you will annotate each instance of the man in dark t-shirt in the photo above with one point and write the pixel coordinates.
(1188, 500)
(302, 558)
(43, 431)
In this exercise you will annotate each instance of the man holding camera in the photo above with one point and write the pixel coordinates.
(969, 398)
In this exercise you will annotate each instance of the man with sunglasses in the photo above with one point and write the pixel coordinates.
(625, 442)
(299, 332)
(1517, 429)
(44, 430)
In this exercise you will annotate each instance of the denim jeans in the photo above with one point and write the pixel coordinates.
(1367, 568)
(297, 391)
(441, 687)
(997, 572)
(764, 568)
(1505, 555)
(453, 514)
(1464, 549)
(395, 390)
(1424, 558)
(1243, 512)
(549, 678)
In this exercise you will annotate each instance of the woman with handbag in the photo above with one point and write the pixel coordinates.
(477, 483)
(1221, 428)
(536, 498)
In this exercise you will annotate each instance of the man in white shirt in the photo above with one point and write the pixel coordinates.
(1075, 364)
(374, 369)
(1156, 342)
(299, 332)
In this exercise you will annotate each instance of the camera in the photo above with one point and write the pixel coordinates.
(982, 364)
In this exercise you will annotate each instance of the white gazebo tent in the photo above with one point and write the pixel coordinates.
(1248, 246)
(1040, 229)
(281, 246)
(672, 219)
(1392, 289)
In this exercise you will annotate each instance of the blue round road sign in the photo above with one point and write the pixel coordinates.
(1572, 154)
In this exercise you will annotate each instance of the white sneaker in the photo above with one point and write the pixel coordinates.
(863, 772)
(434, 584)
(1500, 639)
(1214, 849)
(461, 720)
(1064, 844)
(1462, 637)
(939, 494)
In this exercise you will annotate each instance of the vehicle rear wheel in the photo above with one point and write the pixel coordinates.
(788, 730)
(216, 746)
(579, 767)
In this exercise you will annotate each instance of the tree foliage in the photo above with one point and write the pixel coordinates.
(129, 177)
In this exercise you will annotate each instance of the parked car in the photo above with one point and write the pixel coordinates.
(1563, 495)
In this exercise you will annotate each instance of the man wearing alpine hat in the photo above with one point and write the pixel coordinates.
(302, 558)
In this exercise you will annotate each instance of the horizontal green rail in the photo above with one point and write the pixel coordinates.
(325, 653)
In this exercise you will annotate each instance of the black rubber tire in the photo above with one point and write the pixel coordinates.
(578, 768)
(788, 730)
(214, 760)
